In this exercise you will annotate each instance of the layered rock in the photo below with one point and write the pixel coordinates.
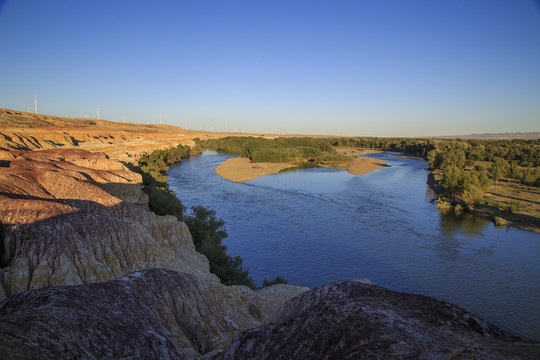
(358, 320)
(147, 315)
(122, 141)
(165, 314)
(66, 224)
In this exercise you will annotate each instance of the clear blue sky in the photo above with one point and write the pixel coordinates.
(365, 68)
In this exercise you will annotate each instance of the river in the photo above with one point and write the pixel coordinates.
(319, 225)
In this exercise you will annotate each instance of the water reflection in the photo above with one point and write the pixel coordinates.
(431, 196)
(302, 166)
(453, 222)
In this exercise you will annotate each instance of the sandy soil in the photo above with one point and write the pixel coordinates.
(362, 165)
(241, 169)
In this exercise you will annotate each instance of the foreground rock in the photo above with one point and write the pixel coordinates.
(147, 315)
(355, 320)
(165, 314)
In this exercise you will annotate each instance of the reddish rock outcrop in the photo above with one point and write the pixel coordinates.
(122, 141)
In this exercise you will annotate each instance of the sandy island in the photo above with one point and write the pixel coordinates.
(362, 165)
(241, 169)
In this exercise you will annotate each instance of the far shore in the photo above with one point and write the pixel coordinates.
(241, 169)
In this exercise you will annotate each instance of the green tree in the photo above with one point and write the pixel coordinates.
(208, 232)
(164, 202)
(484, 181)
(502, 164)
(496, 172)
(513, 171)
(452, 179)
(531, 176)
(470, 178)
(472, 196)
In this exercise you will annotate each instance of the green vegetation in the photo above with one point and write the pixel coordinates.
(153, 169)
(207, 231)
(294, 150)
(499, 221)
(278, 280)
(463, 170)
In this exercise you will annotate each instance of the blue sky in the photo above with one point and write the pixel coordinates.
(362, 68)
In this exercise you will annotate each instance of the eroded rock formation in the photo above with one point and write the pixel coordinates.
(146, 315)
(122, 141)
(70, 217)
(169, 315)
(357, 320)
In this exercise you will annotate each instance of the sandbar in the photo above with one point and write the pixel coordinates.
(362, 165)
(241, 169)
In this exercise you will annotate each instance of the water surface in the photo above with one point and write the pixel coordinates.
(320, 225)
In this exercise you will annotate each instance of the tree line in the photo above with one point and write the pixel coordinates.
(290, 150)
(468, 167)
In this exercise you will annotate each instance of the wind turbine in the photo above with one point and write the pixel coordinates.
(35, 104)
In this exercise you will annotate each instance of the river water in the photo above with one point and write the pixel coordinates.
(320, 225)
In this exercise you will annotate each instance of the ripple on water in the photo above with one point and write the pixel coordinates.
(315, 226)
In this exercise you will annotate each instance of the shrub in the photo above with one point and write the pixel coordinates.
(472, 196)
(442, 204)
(278, 280)
(208, 232)
(164, 202)
(499, 221)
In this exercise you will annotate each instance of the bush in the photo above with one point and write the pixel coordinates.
(442, 204)
(472, 196)
(208, 232)
(278, 280)
(164, 202)
(499, 221)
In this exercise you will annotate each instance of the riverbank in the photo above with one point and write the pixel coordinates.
(515, 203)
(241, 169)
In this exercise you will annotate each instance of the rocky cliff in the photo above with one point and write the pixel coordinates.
(122, 141)
(71, 217)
